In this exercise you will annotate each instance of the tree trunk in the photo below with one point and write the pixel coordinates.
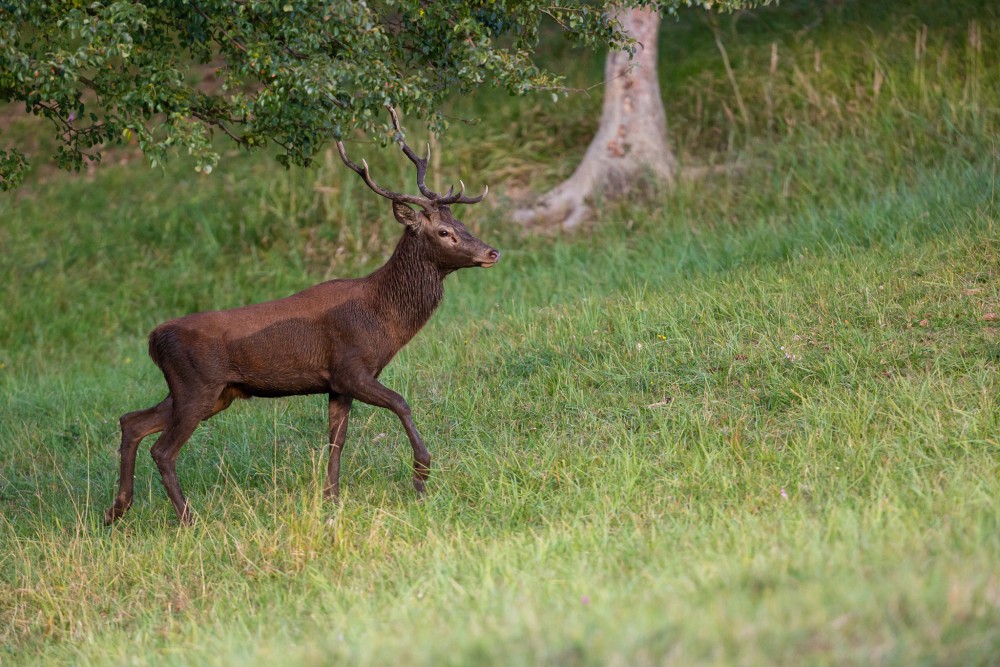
(631, 141)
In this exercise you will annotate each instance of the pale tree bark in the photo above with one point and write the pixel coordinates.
(631, 141)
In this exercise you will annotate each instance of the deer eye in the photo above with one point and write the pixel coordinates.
(442, 233)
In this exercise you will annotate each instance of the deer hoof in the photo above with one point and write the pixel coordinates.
(420, 486)
(115, 512)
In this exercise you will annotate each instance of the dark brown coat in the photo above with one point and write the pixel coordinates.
(333, 338)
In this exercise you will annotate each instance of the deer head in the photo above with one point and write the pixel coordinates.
(445, 241)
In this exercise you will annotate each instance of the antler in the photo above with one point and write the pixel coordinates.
(430, 198)
(425, 203)
(421, 165)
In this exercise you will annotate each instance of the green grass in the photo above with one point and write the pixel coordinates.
(750, 421)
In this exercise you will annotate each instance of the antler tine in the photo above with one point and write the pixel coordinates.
(460, 198)
(420, 164)
(425, 203)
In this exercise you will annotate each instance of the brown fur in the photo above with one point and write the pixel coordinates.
(333, 338)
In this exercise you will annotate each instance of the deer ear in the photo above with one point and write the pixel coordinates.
(405, 215)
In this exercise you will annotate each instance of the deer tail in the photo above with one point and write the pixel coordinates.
(162, 341)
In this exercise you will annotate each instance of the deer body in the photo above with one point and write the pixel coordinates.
(299, 344)
(334, 338)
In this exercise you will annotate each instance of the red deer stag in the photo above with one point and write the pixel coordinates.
(334, 338)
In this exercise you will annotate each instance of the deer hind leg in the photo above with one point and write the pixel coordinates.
(135, 426)
(184, 419)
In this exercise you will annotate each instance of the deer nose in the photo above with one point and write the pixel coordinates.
(493, 255)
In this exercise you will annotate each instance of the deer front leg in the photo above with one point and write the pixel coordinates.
(369, 390)
(340, 410)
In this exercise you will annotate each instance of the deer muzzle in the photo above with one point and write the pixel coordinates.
(488, 258)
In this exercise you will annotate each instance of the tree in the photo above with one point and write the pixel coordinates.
(293, 73)
(631, 140)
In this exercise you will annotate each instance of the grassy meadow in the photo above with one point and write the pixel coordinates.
(753, 420)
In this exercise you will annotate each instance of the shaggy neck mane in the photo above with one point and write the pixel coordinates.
(409, 285)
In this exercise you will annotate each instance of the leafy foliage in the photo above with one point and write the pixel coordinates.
(294, 73)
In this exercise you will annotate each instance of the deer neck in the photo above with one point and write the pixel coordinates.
(409, 286)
